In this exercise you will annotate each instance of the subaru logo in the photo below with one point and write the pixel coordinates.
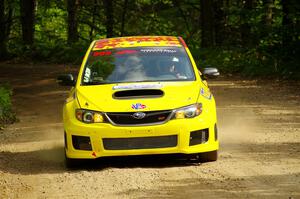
(139, 115)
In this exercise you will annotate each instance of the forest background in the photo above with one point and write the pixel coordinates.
(250, 38)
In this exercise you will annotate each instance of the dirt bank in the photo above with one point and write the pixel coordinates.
(259, 125)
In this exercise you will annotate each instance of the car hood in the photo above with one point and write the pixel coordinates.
(103, 97)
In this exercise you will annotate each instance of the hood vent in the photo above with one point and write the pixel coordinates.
(138, 93)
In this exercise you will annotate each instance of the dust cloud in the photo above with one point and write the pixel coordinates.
(259, 132)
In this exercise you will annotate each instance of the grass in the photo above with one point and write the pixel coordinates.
(7, 116)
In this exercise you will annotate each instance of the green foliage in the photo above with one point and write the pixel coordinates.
(269, 51)
(244, 43)
(60, 53)
(249, 62)
(6, 114)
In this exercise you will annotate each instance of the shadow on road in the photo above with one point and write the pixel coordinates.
(52, 161)
(33, 162)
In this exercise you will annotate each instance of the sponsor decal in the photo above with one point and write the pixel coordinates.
(137, 86)
(122, 52)
(121, 42)
(138, 106)
(157, 50)
(87, 75)
(107, 53)
(102, 53)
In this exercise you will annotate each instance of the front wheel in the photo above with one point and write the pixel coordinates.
(208, 156)
(71, 163)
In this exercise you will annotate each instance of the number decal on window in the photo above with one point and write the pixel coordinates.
(87, 75)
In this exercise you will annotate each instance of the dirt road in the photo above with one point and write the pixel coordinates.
(259, 125)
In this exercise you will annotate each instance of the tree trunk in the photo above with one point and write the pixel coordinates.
(178, 4)
(245, 28)
(124, 17)
(290, 10)
(220, 18)
(290, 25)
(72, 21)
(95, 9)
(3, 49)
(268, 16)
(5, 24)
(27, 9)
(207, 23)
(108, 4)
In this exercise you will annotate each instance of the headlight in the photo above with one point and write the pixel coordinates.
(188, 111)
(88, 116)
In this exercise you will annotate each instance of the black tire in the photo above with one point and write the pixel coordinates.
(71, 163)
(208, 156)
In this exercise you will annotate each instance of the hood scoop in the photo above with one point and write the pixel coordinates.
(138, 93)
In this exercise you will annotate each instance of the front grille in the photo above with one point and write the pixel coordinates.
(140, 142)
(127, 118)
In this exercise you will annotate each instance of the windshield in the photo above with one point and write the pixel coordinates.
(140, 64)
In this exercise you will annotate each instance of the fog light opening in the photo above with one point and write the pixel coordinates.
(81, 143)
(199, 137)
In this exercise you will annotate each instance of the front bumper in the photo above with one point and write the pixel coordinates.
(171, 137)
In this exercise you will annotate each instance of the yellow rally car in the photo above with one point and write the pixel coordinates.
(139, 95)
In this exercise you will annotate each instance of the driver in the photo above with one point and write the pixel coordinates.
(171, 68)
(131, 69)
(134, 69)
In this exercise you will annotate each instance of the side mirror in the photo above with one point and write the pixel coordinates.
(66, 80)
(210, 73)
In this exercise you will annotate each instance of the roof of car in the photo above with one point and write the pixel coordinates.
(137, 41)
